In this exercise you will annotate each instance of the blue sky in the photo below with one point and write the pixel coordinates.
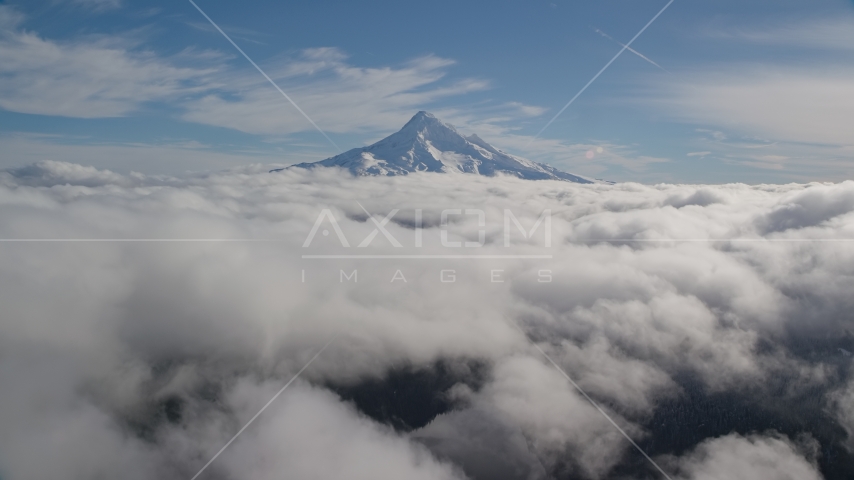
(757, 91)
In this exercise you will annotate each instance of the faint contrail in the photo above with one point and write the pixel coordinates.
(265, 75)
(600, 32)
(601, 71)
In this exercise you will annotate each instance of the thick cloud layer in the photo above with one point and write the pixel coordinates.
(140, 359)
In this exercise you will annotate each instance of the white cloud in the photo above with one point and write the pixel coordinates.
(797, 111)
(783, 104)
(532, 396)
(88, 78)
(823, 34)
(734, 457)
(107, 76)
(313, 435)
(96, 336)
(99, 5)
(338, 96)
(842, 404)
(793, 121)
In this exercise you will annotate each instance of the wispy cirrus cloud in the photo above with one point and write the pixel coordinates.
(796, 106)
(765, 116)
(834, 34)
(105, 76)
(111, 76)
(99, 5)
(341, 97)
(779, 103)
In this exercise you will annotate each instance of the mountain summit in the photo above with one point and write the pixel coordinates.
(426, 144)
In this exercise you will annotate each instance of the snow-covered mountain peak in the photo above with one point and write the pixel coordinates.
(422, 120)
(426, 144)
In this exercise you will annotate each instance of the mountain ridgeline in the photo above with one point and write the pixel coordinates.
(426, 144)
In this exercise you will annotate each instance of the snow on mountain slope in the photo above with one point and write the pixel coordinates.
(426, 144)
